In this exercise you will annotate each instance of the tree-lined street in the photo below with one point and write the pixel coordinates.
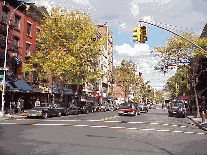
(103, 133)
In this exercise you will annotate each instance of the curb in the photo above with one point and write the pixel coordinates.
(9, 117)
(197, 123)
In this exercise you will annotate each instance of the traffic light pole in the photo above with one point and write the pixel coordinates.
(198, 114)
(141, 21)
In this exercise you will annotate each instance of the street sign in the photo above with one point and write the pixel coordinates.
(2, 68)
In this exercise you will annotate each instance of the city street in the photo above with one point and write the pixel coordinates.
(103, 133)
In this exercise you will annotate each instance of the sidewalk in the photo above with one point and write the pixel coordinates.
(13, 116)
(198, 121)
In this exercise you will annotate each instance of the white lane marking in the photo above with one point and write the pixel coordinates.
(117, 127)
(183, 126)
(132, 128)
(148, 129)
(136, 122)
(177, 131)
(163, 130)
(200, 133)
(153, 123)
(99, 126)
(80, 125)
(112, 121)
(50, 124)
(8, 123)
(189, 132)
(174, 125)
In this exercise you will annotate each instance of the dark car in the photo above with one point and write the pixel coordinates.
(143, 107)
(128, 109)
(85, 107)
(73, 109)
(101, 107)
(177, 108)
(91, 106)
(44, 110)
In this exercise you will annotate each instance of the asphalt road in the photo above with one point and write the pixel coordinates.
(103, 133)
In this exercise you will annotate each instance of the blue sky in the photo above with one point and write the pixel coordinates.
(122, 17)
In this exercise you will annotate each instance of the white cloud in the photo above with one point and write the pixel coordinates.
(137, 50)
(83, 2)
(134, 9)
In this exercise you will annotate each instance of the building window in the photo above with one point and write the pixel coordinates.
(15, 44)
(2, 40)
(36, 76)
(29, 26)
(16, 22)
(28, 48)
(4, 17)
(37, 33)
(27, 75)
(53, 81)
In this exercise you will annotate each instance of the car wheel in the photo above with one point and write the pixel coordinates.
(87, 111)
(59, 114)
(66, 113)
(44, 115)
(135, 114)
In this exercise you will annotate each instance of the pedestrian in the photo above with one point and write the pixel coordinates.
(203, 104)
(37, 103)
(19, 107)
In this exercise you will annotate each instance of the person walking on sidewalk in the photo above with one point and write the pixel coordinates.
(19, 107)
(203, 104)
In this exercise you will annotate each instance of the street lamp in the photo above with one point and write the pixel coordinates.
(5, 53)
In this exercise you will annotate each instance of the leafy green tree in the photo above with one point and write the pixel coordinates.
(125, 77)
(178, 50)
(179, 84)
(69, 47)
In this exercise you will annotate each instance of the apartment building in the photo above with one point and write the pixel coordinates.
(106, 63)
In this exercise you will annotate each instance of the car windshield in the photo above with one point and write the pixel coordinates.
(177, 104)
(127, 105)
(141, 104)
(71, 105)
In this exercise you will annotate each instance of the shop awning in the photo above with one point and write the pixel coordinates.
(23, 86)
(68, 91)
(18, 86)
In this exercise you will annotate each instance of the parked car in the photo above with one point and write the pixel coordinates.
(128, 109)
(73, 109)
(101, 107)
(116, 107)
(83, 108)
(64, 110)
(44, 110)
(109, 107)
(95, 106)
(91, 106)
(143, 107)
(177, 108)
(152, 106)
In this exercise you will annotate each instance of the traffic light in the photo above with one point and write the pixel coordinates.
(136, 34)
(143, 31)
